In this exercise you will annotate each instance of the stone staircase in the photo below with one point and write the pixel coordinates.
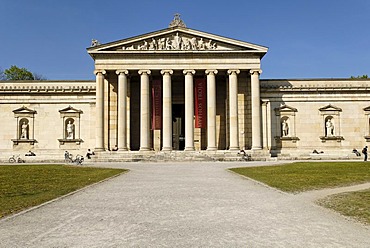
(57, 156)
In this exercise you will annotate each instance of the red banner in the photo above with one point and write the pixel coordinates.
(156, 104)
(200, 103)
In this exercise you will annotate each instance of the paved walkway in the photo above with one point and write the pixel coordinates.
(181, 205)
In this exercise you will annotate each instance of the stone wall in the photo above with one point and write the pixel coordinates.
(308, 104)
(45, 106)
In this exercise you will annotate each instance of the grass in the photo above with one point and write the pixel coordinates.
(24, 186)
(352, 204)
(303, 176)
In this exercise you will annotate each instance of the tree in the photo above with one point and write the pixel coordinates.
(2, 75)
(360, 77)
(16, 73)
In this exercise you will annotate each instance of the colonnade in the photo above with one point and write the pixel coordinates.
(189, 109)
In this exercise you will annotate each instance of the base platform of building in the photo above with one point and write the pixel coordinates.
(53, 156)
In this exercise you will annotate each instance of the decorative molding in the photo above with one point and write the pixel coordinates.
(63, 141)
(46, 89)
(285, 138)
(331, 138)
(29, 141)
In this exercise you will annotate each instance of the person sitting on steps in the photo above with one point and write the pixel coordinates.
(89, 153)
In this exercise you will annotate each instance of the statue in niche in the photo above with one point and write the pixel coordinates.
(24, 132)
(70, 130)
(285, 128)
(329, 128)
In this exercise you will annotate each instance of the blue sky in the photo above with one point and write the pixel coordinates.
(306, 38)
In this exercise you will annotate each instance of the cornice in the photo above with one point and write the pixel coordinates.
(47, 89)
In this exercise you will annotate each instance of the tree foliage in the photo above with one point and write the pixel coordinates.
(360, 77)
(16, 73)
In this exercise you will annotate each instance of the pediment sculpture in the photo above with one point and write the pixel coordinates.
(174, 42)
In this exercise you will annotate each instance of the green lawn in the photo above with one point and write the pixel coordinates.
(303, 176)
(352, 204)
(24, 186)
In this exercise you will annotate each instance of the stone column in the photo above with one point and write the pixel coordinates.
(233, 109)
(211, 110)
(99, 110)
(167, 111)
(256, 109)
(264, 124)
(189, 110)
(144, 111)
(122, 109)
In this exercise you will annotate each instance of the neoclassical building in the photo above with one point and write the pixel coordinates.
(180, 89)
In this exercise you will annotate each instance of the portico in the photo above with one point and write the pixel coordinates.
(142, 81)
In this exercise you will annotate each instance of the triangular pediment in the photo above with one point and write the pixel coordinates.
(285, 108)
(70, 109)
(24, 110)
(330, 108)
(367, 109)
(176, 39)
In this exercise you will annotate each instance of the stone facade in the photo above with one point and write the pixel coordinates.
(280, 117)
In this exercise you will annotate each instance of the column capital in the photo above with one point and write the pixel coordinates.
(144, 72)
(166, 72)
(253, 71)
(122, 71)
(100, 71)
(233, 71)
(188, 71)
(211, 72)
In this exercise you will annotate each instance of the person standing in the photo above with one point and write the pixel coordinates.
(364, 151)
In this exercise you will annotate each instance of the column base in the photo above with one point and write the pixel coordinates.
(234, 148)
(123, 149)
(99, 149)
(144, 149)
(189, 149)
(257, 148)
(211, 148)
(166, 149)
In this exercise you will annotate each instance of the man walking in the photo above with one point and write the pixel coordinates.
(364, 151)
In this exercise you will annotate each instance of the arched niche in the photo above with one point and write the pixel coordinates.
(367, 124)
(24, 126)
(71, 126)
(286, 128)
(331, 121)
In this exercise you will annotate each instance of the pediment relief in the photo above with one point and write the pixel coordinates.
(177, 39)
(330, 108)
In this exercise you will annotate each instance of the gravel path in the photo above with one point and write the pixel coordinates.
(181, 205)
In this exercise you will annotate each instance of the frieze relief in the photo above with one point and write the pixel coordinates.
(174, 42)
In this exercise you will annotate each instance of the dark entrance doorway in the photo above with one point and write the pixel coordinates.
(178, 126)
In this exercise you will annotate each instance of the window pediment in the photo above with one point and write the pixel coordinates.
(24, 110)
(330, 108)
